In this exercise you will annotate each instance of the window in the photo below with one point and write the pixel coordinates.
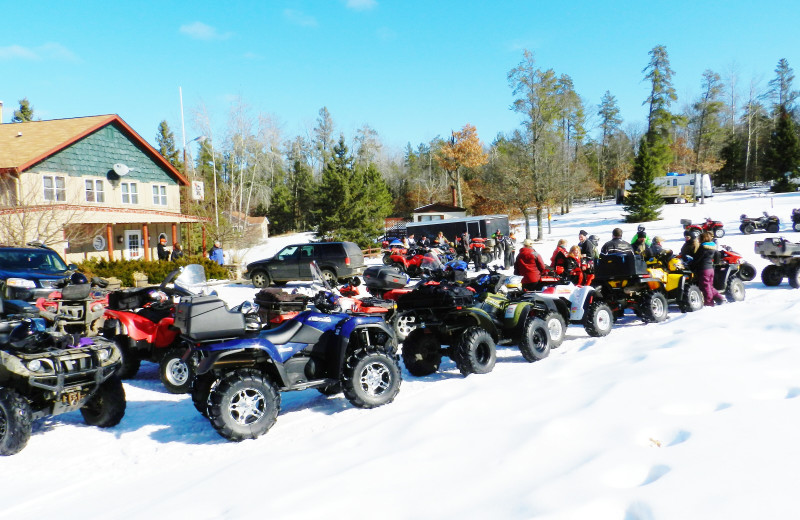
(130, 194)
(8, 192)
(160, 195)
(94, 191)
(55, 188)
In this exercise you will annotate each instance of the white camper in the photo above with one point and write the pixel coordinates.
(679, 187)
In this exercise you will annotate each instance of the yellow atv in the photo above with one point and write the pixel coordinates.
(680, 285)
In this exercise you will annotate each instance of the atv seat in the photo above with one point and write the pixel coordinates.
(282, 333)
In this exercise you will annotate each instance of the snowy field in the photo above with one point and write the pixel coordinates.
(694, 418)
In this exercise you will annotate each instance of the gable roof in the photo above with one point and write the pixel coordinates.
(22, 145)
(438, 207)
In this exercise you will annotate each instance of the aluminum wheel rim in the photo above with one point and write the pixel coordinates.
(603, 320)
(375, 378)
(657, 307)
(555, 329)
(177, 372)
(247, 406)
(3, 424)
(405, 324)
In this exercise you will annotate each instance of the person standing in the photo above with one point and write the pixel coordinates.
(529, 265)
(689, 247)
(588, 249)
(216, 254)
(163, 252)
(499, 245)
(616, 244)
(508, 259)
(703, 266)
(177, 252)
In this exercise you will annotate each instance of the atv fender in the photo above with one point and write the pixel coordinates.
(579, 301)
(472, 316)
(210, 359)
(354, 325)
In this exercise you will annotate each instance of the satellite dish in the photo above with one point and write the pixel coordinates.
(120, 169)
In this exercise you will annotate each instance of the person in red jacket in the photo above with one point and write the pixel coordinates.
(529, 265)
(559, 257)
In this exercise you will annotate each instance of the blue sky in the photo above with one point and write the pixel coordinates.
(410, 69)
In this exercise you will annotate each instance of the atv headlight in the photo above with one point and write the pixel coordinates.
(103, 354)
(35, 365)
(40, 366)
(23, 283)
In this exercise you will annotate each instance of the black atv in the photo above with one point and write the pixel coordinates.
(623, 281)
(768, 223)
(796, 219)
(44, 374)
(243, 368)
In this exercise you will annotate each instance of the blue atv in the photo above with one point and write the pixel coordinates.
(242, 367)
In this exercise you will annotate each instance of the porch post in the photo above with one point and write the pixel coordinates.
(146, 242)
(174, 233)
(204, 241)
(110, 241)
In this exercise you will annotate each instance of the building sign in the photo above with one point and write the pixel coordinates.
(198, 190)
(99, 243)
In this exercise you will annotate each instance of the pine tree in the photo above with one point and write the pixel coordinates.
(643, 201)
(783, 152)
(165, 139)
(25, 112)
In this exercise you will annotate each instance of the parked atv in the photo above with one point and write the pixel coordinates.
(796, 219)
(409, 262)
(243, 368)
(744, 270)
(768, 223)
(140, 322)
(390, 248)
(44, 374)
(680, 285)
(785, 261)
(623, 281)
(76, 306)
(714, 226)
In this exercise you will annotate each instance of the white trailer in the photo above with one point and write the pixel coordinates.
(679, 187)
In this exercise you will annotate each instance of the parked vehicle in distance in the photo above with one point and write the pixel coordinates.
(784, 258)
(337, 260)
(796, 219)
(27, 273)
(768, 223)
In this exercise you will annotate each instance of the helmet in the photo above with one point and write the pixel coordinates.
(640, 229)
(78, 279)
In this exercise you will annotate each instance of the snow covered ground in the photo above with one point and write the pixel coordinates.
(693, 418)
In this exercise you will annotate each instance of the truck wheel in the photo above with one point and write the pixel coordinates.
(15, 422)
(422, 353)
(692, 299)
(773, 228)
(794, 277)
(176, 374)
(598, 319)
(535, 342)
(201, 388)
(260, 279)
(719, 232)
(404, 324)
(772, 275)
(329, 276)
(243, 405)
(747, 271)
(556, 328)
(371, 378)
(106, 408)
(748, 228)
(654, 307)
(475, 352)
(735, 290)
(130, 363)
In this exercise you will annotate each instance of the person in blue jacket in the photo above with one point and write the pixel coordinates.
(216, 253)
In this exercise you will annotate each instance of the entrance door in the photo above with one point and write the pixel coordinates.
(133, 245)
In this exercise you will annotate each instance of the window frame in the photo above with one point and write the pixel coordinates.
(98, 195)
(160, 199)
(130, 191)
(54, 188)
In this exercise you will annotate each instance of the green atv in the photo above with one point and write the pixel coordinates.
(471, 334)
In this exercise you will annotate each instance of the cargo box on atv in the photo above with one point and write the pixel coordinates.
(619, 265)
(776, 247)
(207, 317)
(129, 299)
(384, 277)
(274, 302)
(436, 296)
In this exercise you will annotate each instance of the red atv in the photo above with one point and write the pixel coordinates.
(714, 226)
(746, 271)
(410, 262)
(390, 248)
(140, 321)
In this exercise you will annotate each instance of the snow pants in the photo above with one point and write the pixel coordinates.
(706, 282)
